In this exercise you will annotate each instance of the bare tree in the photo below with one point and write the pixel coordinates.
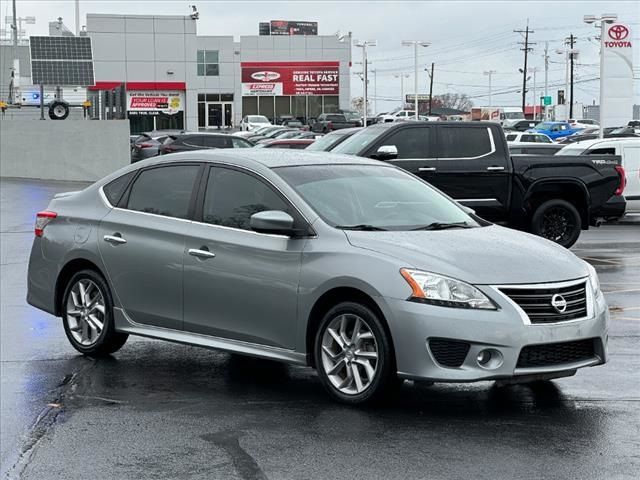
(357, 103)
(459, 101)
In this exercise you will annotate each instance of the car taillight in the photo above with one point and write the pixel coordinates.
(622, 180)
(145, 145)
(330, 126)
(167, 149)
(42, 220)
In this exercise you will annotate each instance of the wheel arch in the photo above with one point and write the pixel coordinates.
(331, 298)
(68, 270)
(570, 190)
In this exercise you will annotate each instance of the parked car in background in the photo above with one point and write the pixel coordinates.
(635, 124)
(516, 148)
(288, 143)
(526, 137)
(265, 132)
(555, 130)
(347, 265)
(274, 134)
(628, 149)
(583, 123)
(352, 116)
(148, 144)
(328, 122)
(257, 131)
(253, 122)
(396, 115)
(201, 141)
(331, 140)
(292, 123)
(298, 134)
(551, 196)
(520, 125)
(591, 134)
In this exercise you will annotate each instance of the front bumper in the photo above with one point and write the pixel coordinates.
(413, 325)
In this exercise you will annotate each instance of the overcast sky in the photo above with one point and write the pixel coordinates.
(467, 37)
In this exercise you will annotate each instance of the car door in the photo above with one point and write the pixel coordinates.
(142, 243)
(240, 284)
(472, 170)
(415, 149)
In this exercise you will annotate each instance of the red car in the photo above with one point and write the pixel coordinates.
(291, 143)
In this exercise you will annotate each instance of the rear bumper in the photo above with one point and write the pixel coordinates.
(613, 209)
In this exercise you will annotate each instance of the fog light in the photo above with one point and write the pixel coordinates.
(489, 358)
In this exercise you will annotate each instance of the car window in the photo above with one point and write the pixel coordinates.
(232, 197)
(164, 190)
(279, 145)
(217, 141)
(511, 138)
(321, 118)
(193, 141)
(114, 189)
(602, 151)
(410, 142)
(240, 143)
(458, 142)
(298, 146)
(336, 118)
(528, 138)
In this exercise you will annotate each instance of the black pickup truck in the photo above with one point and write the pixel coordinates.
(553, 196)
(328, 122)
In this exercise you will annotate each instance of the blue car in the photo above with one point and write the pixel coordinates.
(555, 130)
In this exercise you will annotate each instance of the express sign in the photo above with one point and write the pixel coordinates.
(290, 78)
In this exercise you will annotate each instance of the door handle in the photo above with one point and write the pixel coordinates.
(115, 239)
(201, 253)
(495, 169)
(427, 169)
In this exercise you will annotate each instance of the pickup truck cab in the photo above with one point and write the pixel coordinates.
(397, 115)
(628, 149)
(328, 122)
(555, 130)
(549, 195)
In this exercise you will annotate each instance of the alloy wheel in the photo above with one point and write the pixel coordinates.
(349, 354)
(85, 312)
(557, 224)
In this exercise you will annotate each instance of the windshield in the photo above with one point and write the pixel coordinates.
(513, 115)
(257, 119)
(326, 143)
(373, 197)
(352, 115)
(543, 126)
(356, 143)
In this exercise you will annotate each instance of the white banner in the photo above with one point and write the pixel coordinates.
(261, 88)
(617, 88)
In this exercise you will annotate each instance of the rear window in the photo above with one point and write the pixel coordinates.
(336, 118)
(464, 142)
(114, 190)
(512, 137)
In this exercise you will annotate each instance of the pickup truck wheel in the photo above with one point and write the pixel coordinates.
(557, 220)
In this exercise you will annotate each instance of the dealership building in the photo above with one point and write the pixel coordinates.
(170, 77)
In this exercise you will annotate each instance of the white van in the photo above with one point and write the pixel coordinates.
(628, 148)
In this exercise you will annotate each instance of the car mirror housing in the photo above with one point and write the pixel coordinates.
(272, 221)
(386, 152)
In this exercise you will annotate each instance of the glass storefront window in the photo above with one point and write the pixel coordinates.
(249, 106)
(331, 103)
(299, 106)
(266, 107)
(202, 122)
(315, 106)
(283, 106)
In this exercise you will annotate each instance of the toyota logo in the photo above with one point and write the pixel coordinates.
(618, 32)
(265, 76)
(559, 303)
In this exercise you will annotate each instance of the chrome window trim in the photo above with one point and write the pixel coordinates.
(568, 283)
(493, 149)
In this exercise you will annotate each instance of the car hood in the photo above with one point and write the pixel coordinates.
(486, 255)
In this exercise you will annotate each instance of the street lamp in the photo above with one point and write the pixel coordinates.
(402, 76)
(363, 46)
(536, 101)
(489, 73)
(603, 19)
(415, 44)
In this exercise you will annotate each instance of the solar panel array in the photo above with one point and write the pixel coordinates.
(61, 61)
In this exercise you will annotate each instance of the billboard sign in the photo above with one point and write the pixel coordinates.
(288, 27)
(411, 97)
(290, 78)
(154, 102)
(617, 86)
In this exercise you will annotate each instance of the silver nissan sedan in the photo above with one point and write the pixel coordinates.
(349, 265)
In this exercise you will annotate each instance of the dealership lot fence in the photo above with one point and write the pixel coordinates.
(63, 150)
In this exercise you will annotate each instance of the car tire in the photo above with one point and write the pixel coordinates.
(360, 369)
(557, 220)
(58, 110)
(87, 315)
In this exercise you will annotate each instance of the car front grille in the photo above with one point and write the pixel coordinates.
(537, 303)
(449, 353)
(551, 354)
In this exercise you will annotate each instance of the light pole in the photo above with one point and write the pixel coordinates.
(489, 73)
(402, 76)
(603, 19)
(363, 46)
(415, 44)
(375, 91)
(536, 100)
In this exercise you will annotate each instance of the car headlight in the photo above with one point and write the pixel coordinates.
(594, 281)
(444, 291)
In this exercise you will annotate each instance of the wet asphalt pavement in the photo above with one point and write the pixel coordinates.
(160, 410)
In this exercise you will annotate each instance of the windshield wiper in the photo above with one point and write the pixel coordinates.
(443, 226)
(362, 227)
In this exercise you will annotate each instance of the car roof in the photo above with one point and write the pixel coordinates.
(280, 141)
(249, 157)
(595, 141)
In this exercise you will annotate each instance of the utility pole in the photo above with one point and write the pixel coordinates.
(526, 50)
(77, 18)
(546, 75)
(15, 72)
(571, 56)
(490, 73)
(431, 89)
(415, 44)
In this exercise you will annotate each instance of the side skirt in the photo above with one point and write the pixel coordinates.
(125, 325)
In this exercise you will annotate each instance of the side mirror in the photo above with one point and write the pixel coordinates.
(272, 221)
(386, 152)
